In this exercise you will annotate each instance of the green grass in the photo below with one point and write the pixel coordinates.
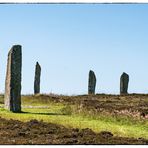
(64, 114)
(54, 114)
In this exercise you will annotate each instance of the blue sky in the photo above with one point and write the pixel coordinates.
(70, 39)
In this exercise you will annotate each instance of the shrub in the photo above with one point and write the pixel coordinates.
(67, 110)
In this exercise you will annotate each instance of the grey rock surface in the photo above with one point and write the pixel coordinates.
(91, 82)
(124, 80)
(13, 79)
(37, 78)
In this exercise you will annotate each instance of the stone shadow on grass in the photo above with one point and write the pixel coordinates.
(42, 113)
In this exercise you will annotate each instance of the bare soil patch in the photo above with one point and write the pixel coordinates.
(38, 132)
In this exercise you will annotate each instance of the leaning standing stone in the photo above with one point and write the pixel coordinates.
(37, 78)
(91, 82)
(13, 79)
(124, 79)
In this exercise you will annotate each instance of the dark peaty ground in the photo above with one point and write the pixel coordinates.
(35, 132)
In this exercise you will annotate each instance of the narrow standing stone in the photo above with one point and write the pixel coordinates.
(91, 82)
(37, 78)
(13, 79)
(124, 79)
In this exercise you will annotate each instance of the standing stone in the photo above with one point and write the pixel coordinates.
(13, 79)
(37, 78)
(124, 79)
(91, 82)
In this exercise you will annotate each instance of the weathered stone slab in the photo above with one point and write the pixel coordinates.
(37, 78)
(124, 80)
(91, 82)
(13, 79)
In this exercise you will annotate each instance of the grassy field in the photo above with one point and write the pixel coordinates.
(53, 110)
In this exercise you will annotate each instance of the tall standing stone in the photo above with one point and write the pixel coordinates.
(13, 79)
(91, 82)
(124, 79)
(37, 78)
